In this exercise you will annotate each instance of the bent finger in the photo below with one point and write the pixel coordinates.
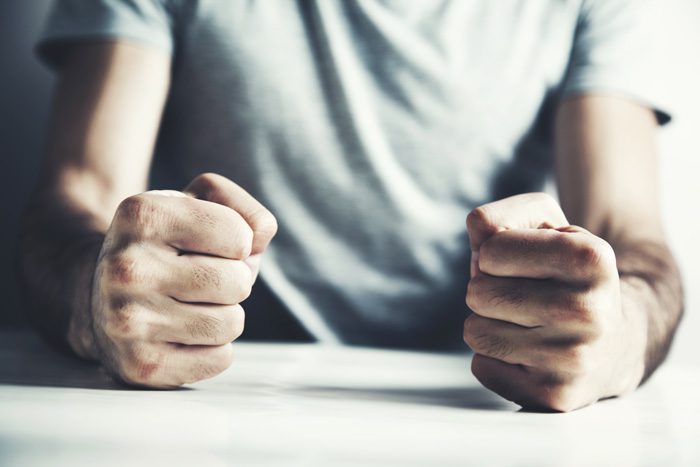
(221, 190)
(190, 324)
(512, 382)
(167, 366)
(525, 211)
(531, 302)
(185, 224)
(501, 340)
(571, 256)
(208, 279)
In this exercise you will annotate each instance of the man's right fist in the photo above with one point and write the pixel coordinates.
(173, 269)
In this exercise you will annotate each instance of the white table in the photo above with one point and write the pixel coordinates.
(315, 405)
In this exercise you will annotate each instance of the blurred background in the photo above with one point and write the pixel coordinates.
(25, 89)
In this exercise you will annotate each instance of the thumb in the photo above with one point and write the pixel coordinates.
(221, 190)
(526, 211)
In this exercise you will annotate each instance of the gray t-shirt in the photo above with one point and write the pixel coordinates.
(370, 128)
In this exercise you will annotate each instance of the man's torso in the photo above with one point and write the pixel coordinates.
(369, 129)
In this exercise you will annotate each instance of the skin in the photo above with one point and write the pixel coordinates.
(150, 283)
(147, 283)
(579, 303)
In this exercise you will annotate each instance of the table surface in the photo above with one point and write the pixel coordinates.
(319, 405)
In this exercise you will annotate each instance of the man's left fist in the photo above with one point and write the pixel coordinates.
(548, 328)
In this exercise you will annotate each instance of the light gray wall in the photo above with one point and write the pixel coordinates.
(680, 162)
(24, 97)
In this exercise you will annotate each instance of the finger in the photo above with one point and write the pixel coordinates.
(532, 302)
(196, 363)
(501, 340)
(200, 324)
(512, 382)
(208, 279)
(526, 211)
(221, 190)
(185, 224)
(571, 255)
(171, 365)
(253, 262)
(532, 389)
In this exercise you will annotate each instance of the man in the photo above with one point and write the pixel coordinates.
(361, 133)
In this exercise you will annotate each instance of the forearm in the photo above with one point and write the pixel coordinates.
(651, 287)
(58, 252)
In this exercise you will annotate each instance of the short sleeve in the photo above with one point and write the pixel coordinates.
(616, 50)
(70, 21)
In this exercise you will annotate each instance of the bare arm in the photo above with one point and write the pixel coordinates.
(106, 110)
(607, 176)
(572, 306)
(147, 283)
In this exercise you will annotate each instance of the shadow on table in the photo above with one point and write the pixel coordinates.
(26, 360)
(475, 398)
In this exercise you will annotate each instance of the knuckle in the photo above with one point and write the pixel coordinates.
(123, 268)
(479, 218)
(265, 224)
(585, 256)
(141, 371)
(243, 240)
(593, 331)
(606, 254)
(244, 283)
(590, 255)
(126, 321)
(237, 323)
(582, 312)
(577, 306)
(231, 326)
(577, 312)
(239, 284)
(208, 183)
(577, 360)
(135, 211)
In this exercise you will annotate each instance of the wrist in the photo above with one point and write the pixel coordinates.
(80, 332)
(629, 371)
(80, 336)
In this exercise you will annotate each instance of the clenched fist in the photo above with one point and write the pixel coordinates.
(172, 272)
(548, 328)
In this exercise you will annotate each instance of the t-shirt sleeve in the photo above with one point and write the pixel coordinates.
(146, 21)
(616, 50)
